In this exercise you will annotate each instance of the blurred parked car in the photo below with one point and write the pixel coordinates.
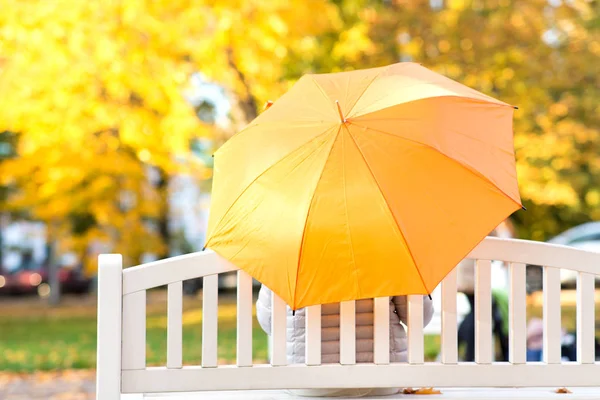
(25, 281)
(72, 280)
(20, 282)
(585, 236)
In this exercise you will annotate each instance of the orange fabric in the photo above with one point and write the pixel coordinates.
(382, 200)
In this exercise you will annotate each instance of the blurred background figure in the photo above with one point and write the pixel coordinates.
(535, 339)
(465, 275)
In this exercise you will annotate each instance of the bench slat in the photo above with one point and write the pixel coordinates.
(585, 318)
(552, 332)
(449, 329)
(381, 330)
(244, 319)
(174, 324)
(210, 303)
(347, 332)
(109, 339)
(134, 330)
(366, 375)
(313, 335)
(483, 312)
(278, 330)
(517, 315)
(415, 329)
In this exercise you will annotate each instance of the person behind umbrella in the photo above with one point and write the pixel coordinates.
(330, 336)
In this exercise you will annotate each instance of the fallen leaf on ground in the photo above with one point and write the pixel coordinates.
(421, 391)
(563, 390)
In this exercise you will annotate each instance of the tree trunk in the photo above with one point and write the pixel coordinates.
(53, 274)
(163, 219)
(2, 226)
(247, 103)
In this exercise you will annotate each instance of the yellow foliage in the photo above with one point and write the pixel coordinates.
(94, 89)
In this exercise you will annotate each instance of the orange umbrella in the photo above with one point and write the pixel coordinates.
(363, 184)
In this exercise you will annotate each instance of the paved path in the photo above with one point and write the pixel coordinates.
(66, 385)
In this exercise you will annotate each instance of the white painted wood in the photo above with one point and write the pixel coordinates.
(296, 376)
(449, 345)
(313, 335)
(483, 312)
(585, 318)
(417, 374)
(278, 331)
(174, 269)
(108, 355)
(210, 304)
(347, 333)
(140, 396)
(381, 330)
(552, 314)
(482, 374)
(174, 324)
(134, 331)
(537, 253)
(448, 393)
(244, 319)
(517, 324)
(415, 329)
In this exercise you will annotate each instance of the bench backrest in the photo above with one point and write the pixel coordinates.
(122, 330)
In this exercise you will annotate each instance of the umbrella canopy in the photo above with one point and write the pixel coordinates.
(363, 184)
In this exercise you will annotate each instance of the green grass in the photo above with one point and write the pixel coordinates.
(57, 339)
(39, 343)
(29, 344)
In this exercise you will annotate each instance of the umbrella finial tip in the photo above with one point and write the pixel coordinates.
(267, 105)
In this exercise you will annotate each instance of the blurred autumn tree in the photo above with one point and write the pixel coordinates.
(540, 55)
(95, 91)
(94, 88)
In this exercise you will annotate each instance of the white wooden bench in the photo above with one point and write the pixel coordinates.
(122, 371)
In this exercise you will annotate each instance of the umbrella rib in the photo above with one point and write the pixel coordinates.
(252, 125)
(357, 287)
(471, 170)
(389, 209)
(458, 132)
(462, 97)
(258, 177)
(442, 82)
(308, 212)
(323, 93)
(366, 88)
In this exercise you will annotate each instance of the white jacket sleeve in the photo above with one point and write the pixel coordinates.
(263, 309)
(400, 302)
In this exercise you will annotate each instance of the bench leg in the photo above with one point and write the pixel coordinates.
(108, 358)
